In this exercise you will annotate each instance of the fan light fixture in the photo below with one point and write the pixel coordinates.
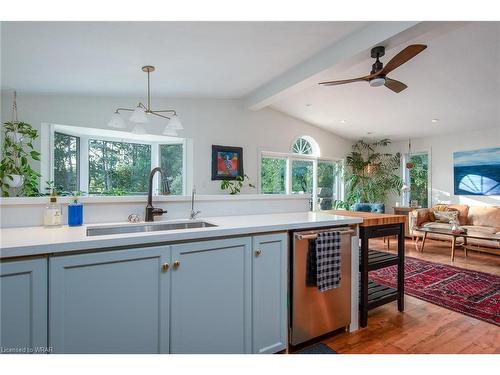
(378, 75)
(377, 82)
(141, 112)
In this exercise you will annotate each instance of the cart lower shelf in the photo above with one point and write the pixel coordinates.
(379, 294)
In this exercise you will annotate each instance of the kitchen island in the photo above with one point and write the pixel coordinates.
(218, 289)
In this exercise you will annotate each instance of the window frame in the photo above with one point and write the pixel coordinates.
(287, 177)
(83, 157)
(289, 157)
(78, 153)
(184, 163)
(405, 175)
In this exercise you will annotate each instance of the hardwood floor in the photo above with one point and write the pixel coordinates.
(424, 327)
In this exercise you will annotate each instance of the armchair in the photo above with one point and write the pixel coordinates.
(369, 207)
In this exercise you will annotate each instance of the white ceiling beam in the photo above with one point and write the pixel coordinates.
(355, 44)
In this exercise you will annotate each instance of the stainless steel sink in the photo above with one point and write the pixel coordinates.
(139, 228)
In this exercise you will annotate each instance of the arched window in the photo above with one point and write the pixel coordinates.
(302, 171)
(305, 145)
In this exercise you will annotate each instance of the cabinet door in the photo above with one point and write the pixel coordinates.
(110, 302)
(269, 293)
(23, 305)
(211, 297)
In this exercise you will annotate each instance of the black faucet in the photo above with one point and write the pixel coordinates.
(151, 212)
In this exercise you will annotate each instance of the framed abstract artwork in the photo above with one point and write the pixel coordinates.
(227, 162)
(477, 172)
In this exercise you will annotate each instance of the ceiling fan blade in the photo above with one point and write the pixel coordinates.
(394, 85)
(402, 57)
(334, 83)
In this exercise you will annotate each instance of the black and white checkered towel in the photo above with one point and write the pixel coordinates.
(328, 260)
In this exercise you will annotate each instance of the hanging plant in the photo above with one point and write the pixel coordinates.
(16, 174)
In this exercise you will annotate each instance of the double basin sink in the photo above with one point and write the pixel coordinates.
(141, 228)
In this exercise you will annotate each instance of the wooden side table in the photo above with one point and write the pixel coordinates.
(406, 212)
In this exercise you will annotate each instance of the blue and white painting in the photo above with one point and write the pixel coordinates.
(477, 172)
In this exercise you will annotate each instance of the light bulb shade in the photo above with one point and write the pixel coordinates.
(117, 121)
(377, 82)
(139, 129)
(169, 131)
(139, 116)
(175, 123)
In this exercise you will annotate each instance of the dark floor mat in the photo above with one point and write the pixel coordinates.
(319, 348)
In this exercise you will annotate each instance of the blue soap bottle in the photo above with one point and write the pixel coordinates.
(75, 212)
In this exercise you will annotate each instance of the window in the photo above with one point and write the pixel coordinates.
(110, 162)
(66, 163)
(328, 183)
(417, 178)
(171, 160)
(301, 172)
(302, 176)
(118, 168)
(302, 147)
(273, 175)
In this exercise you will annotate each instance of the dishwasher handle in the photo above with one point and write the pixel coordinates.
(312, 236)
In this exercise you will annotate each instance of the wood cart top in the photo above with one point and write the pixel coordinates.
(372, 219)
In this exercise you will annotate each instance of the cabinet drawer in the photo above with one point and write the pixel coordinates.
(382, 231)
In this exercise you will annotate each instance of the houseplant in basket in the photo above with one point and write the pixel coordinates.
(370, 174)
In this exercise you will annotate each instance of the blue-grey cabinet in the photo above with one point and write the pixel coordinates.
(110, 302)
(211, 296)
(216, 296)
(269, 293)
(23, 306)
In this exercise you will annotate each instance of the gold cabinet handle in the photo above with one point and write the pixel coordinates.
(258, 252)
(165, 267)
(176, 264)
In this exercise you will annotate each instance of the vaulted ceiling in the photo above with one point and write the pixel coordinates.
(192, 59)
(272, 64)
(455, 81)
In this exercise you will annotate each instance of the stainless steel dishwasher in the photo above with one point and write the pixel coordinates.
(314, 313)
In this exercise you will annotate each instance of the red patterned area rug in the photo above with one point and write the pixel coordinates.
(473, 293)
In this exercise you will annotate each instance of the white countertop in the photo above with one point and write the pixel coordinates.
(27, 241)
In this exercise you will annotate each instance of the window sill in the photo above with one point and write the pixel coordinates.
(157, 198)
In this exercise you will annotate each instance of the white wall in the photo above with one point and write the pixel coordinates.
(206, 121)
(27, 212)
(441, 149)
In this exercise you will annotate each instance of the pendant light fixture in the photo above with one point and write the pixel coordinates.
(409, 163)
(141, 112)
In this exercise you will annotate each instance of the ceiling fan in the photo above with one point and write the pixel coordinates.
(378, 75)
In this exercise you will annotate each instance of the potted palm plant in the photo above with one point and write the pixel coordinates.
(370, 175)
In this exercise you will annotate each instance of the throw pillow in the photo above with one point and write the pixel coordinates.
(439, 208)
(445, 216)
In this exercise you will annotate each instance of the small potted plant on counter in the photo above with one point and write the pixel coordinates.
(75, 210)
(234, 186)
